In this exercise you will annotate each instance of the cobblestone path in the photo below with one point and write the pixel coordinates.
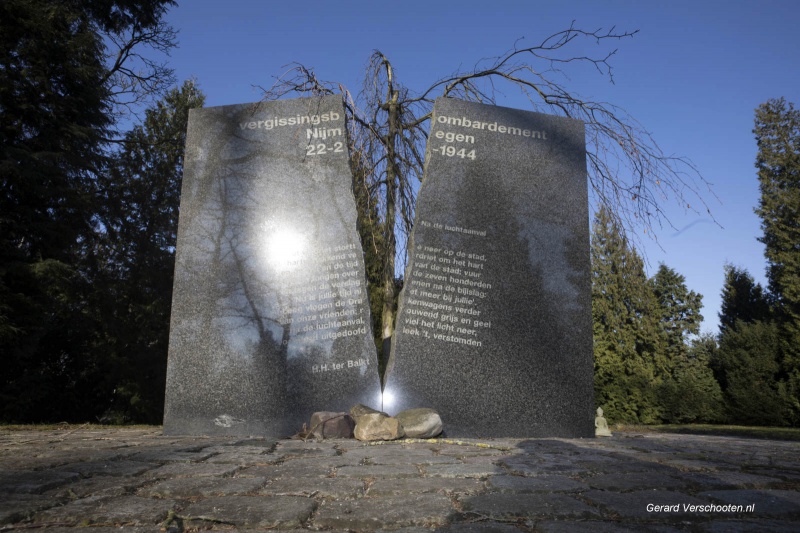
(55, 481)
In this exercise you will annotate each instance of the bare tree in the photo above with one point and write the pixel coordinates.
(388, 124)
(133, 76)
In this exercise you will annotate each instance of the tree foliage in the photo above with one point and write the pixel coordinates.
(65, 69)
(678, 308)
(134, 252)
(693, 395)
(742, 299)
(373, 245)
(687, 389)
(758, 361)
(749, 363)
(650, 364)
(777, 132)
(625, 327)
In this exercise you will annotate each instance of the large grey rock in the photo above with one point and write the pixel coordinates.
(270, 318)
(377, 426)
(330, 425)
(420, 423)
(494, 328)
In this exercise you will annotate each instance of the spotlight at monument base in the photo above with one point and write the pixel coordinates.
(387, 400)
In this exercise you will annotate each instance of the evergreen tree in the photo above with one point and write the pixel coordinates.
(135, 253)
(678, 312)
(687, 390)
(693, 395)
(742, 299)
(626, 336)
(749, 362)
(54, 118)
(679, 308)
(777, 131)
(744, 304)
(62, 79)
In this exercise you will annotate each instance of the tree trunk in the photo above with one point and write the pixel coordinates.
(387, 318)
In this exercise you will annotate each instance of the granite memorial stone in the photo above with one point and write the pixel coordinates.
(494, 328)
(270, 318)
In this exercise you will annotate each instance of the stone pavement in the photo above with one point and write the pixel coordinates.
(54, 481)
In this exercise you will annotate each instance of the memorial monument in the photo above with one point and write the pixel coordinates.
(494, 328)
(270, 318)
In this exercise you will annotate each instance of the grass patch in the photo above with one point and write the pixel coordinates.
(753, 432)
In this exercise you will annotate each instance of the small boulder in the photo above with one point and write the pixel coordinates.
(330, 425)
(377, 426)
(361, 409)
(420, 423)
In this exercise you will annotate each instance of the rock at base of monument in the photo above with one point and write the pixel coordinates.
(361, 409)
(377, 426)
(420, 423)
(331, 425)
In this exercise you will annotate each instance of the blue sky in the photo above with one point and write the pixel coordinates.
(692, 76)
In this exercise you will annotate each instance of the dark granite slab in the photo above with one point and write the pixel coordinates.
(270, 319)
(494, 328)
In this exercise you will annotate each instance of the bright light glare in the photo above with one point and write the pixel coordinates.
(285, 249)
(387, 400)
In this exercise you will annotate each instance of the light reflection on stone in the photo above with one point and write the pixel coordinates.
(285, 249)
(387, 400)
